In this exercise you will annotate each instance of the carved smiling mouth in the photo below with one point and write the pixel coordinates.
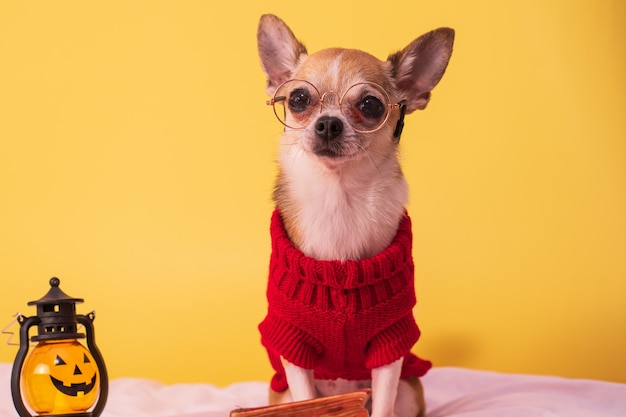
(74, 389)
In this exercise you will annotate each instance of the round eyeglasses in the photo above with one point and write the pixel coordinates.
(366, 106)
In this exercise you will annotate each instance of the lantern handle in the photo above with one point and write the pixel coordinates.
(16, 390)
(87, 322)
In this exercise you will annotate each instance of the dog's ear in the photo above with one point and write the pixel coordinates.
(279, 50)
(418, 68)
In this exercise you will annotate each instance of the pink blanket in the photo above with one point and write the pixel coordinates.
(449, 392)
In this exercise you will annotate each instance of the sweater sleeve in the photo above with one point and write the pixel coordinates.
(392, 343)
(290, 342)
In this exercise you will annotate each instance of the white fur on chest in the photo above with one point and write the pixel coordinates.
(351, 212)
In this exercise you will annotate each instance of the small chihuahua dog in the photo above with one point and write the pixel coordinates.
(341, 292)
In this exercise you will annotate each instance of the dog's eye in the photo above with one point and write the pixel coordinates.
(371, 107)
(299, 100)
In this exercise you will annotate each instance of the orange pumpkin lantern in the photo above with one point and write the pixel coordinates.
(61, 376)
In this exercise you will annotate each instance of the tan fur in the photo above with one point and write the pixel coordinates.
(418, 393)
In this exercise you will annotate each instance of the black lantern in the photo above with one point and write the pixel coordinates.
(60, 377)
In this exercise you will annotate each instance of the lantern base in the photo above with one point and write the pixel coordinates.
(88, 414)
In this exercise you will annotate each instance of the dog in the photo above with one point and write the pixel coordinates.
(341, 293)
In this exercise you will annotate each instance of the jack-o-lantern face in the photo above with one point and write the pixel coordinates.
(74, 388)
(60, 377)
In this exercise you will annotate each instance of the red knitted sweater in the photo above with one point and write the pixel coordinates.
(341, 319)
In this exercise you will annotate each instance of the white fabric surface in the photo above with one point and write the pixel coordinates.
(449, 392)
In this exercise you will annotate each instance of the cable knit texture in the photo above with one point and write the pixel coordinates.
(341, 319)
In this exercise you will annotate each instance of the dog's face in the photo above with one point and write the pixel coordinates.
(343, 104)
(337, 105)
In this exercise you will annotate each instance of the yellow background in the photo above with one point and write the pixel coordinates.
(136, 163)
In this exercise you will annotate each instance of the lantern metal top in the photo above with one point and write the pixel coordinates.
(57, 313)
(55, 295)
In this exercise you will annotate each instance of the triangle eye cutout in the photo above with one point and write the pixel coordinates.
(86, 358)
(58, 361)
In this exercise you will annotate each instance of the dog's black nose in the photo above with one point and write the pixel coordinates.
(328, 128)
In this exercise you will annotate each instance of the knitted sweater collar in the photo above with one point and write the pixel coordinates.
(396, 258)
